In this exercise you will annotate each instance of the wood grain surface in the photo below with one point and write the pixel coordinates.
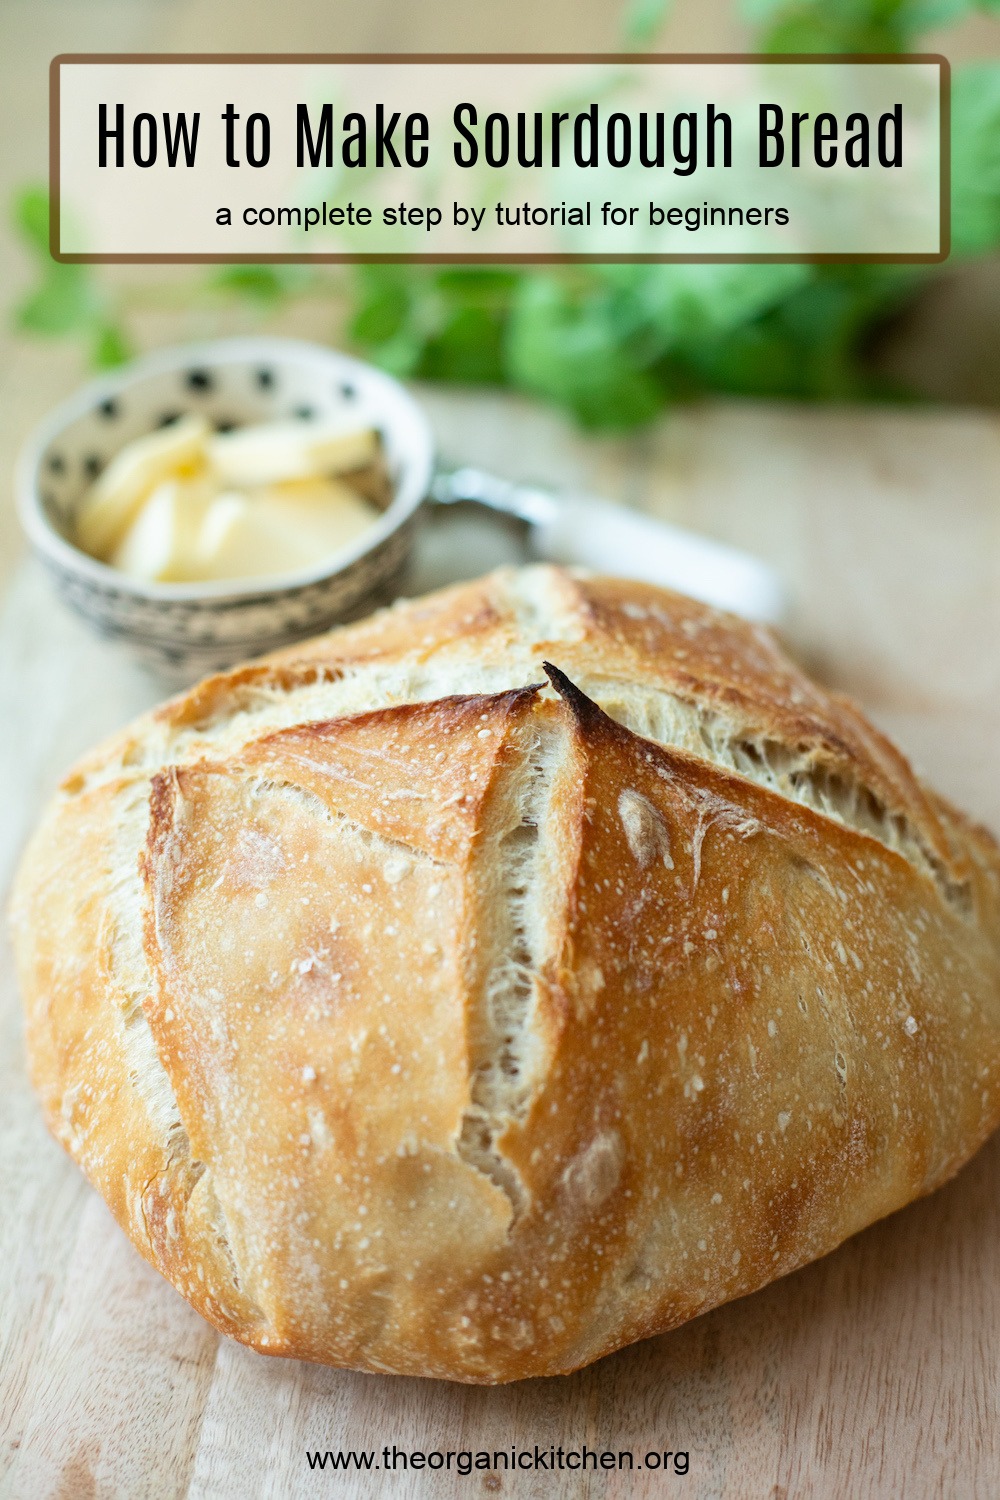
(873, 1372)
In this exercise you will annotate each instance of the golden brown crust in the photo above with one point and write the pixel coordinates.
(412, 1016)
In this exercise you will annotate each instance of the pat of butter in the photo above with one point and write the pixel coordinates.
(326, 511)
(271, 452)
(161, 542)
(280, 530)
(114, 501)
(237, 542)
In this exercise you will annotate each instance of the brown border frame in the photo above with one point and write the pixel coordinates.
(501, 57)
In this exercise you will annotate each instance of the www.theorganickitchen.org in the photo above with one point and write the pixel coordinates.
(537, 1459)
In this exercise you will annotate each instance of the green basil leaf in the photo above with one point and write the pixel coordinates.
(110, 346)
(642, 20)
(65, 302)
(31, 217)
(568, 351)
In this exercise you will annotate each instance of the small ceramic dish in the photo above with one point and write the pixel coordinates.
(185, 629)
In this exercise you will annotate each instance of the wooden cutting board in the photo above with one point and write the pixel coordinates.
(871, 1373)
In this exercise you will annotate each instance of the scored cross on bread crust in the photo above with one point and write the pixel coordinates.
(518, 973)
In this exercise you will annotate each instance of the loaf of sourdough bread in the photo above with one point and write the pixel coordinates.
(512, 975)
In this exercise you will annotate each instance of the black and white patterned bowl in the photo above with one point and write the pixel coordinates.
(187, 629)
